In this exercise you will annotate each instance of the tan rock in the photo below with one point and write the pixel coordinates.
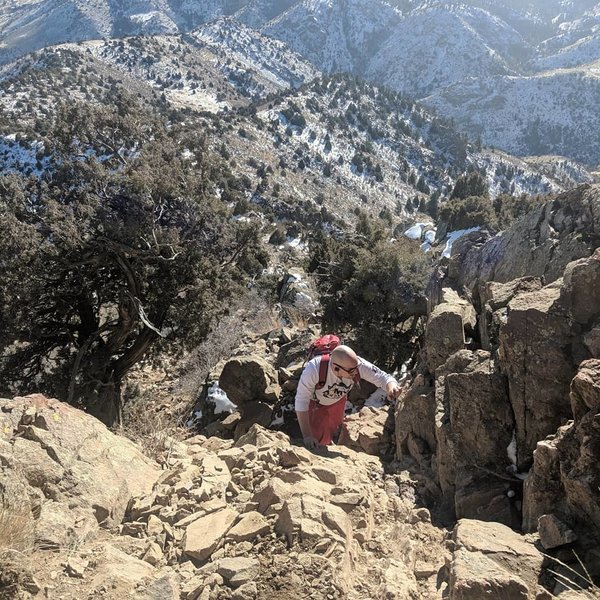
(292, 457)
(115, 568)
(76, 566)
(474, 576)
(251, 525)
(253, 413)
(539, 366)
(238, 571)
(163, 588)
(554, 533)
(585, 389)
(263, 438)
(399, 581)
(310, 519)
(445, 331)
(60, 526)
(581, 288)
(369, 431)
(415, 419)
(69, 437)
(326, 475)
(249, 378)
(205, 533)
(474, 425)
(492, 560)
(153, 554)
(248, 591)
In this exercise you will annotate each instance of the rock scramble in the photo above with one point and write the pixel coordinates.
(255, 518)
(258, 518)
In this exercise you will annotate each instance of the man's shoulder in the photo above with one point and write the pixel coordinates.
(312, 366)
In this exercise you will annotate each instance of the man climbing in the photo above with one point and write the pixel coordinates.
(323, 389)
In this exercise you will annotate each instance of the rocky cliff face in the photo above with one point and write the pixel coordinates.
(509, 389)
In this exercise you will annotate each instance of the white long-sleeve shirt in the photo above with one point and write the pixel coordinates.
(335, 387)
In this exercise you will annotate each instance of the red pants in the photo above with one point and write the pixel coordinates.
(325, 420)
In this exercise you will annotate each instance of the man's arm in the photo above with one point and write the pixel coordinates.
(376, 376)
(304, 394)
(309, 439)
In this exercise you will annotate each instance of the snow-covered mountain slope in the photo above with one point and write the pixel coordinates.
(577, 43)
(461, 44)
(555, 112)
(192, 72)
(330, 139)
(350, 146)
(438, 49)
(337, 35)
(251, 51)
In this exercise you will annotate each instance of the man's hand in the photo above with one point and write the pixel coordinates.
(311, 443)
(393, 389)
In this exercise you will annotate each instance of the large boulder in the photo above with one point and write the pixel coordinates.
(492, 561)
(445, 332)
(249, 378)
(535, 354)
(69, 459)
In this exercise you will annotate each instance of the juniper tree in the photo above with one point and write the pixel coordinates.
(121, 249)
(373, 286)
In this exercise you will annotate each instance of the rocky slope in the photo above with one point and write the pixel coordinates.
(258, 518)
(498, 433)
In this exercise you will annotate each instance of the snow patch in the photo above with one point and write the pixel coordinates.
(377, 399)
(511, 450)
(416, 231)
(219, 398)
(453, 236)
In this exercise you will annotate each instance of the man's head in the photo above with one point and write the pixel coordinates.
(344, 362)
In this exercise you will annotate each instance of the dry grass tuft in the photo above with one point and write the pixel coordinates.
(16, 518)
(577, 581)
(152, 429)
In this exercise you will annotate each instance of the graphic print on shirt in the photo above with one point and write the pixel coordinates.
(337, 390)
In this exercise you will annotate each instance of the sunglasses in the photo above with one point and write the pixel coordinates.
(351, 371)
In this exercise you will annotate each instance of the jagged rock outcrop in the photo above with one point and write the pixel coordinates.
(536, 290)
(474, 427)
(536, 355)
(541, 244)
(565, 478)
